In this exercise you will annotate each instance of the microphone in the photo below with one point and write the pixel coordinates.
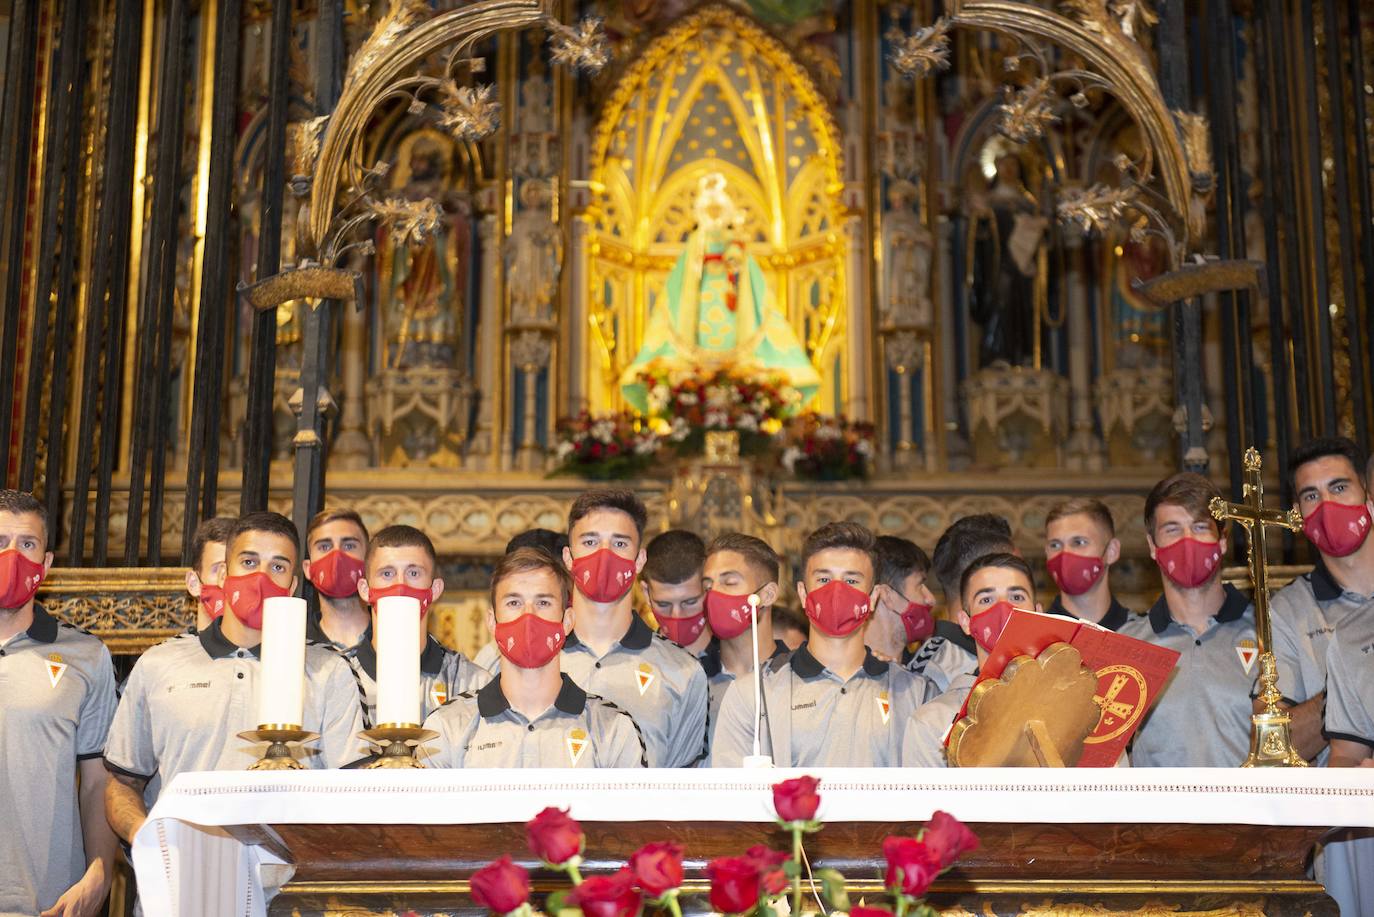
(757, 759)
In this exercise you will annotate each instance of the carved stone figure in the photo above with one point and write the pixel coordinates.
(1008, 236)
(907, 251)
(534, 255)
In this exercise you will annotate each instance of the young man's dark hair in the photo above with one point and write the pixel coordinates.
(964, 542)
(850, 535)
(898, 558)
(1324, 447)
(1187, 489)
(755, 550)
(1001, 560)
(547, 540)
(401, 536)
(326, 516)
(20, 503)
(623, 501)
(673, 557)
(265, 521)
(215, 530)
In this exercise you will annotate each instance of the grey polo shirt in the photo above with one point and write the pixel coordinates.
(57, 697)
(187, 700)
(1306, 615)
(1202, 718)
(718, 679)
(947, 654)
(444, 674)
(813, 718)
(924, 742)
(314, 633)
(653, 679)
(481, 729)
(1350, 683)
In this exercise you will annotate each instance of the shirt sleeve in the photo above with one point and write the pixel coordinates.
(446, 749)
(97, 709)
(1301, 675)
(471, 676)
(689, 721)
(129, 746)
(341, 717)
(619, 744)
(1348, 715)
(922, 745)
(733, 738)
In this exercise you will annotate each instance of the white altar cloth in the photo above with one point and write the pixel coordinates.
(188, 866)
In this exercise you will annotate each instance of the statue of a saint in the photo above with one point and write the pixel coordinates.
(716, 310)
(1008, 233)
(534, 255)
(907, 250)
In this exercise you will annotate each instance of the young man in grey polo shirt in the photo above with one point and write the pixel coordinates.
(1202, 718)
(335, 550)
(188, 698)
(204, 581)
(1080, 548)
(611, 652)
(401, 561)
(832, 703)
(992, 587)
(672, 584)
(57, 696)
(903, 614)
(531, 715)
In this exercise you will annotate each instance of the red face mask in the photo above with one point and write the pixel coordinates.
(529, 641)
(1075, 574)
(603, 576)
(730, 615)
(682, 631)
(918, 621)
(245, 594)
(987, 625)
(212, 598)
(336, 574)
(19, 579)
(423, 596)
(837, 608)
(1189, 562)
(1337, 529)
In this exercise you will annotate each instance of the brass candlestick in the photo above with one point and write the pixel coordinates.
(398, 742)
(279, 738)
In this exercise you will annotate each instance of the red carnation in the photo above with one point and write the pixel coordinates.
(553, 836)
(501, 887)
(608, 896)
(948, 838)
(911, 865)
(796, 799)
(735, 884)
(657, 868)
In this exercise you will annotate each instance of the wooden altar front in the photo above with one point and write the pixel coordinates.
(1178, 842)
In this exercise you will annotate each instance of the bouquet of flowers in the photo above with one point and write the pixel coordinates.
(752, 885)
(604, 447)
(684, 405)
(828, 448)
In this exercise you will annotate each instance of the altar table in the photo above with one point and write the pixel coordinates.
(1164, 840)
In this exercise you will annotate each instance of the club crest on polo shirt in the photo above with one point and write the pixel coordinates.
(644, 677)
(56, 668)
(884, 707)
(438, 694)
(577, 744)
(1248, 652)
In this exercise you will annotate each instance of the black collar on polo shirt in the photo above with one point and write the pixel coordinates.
(1116, 615)
(1232, 607)
(638, 637)
(431, 657)
(218, 646)
(955, 634)
(808, 666)
(1324, 585)
(491, 700)
(710, 657)
(44, 626)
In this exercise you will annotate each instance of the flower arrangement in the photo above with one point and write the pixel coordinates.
(828, 448)
(751, 885)
(604, 447)
(684, 405)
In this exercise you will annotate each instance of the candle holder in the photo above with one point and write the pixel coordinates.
(398, 742)
(279, 738)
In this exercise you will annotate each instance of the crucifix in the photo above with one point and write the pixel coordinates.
(1270, 743)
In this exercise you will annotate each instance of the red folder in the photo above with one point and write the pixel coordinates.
(1130, 674)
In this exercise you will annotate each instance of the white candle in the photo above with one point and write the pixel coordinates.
(281, 687)
(398, 660)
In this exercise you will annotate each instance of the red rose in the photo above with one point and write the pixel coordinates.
(501, 887)
(553, 836)
(608, 896)
(657, 868)
(869, 912)
(917, 864)
(734, 884)
(769, 863)
(948, 838)
(796, 799)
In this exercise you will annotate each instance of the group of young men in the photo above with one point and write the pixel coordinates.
(575, 676)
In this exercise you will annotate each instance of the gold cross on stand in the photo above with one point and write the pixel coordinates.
(1270, 742)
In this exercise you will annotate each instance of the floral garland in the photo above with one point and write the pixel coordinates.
(752, 885)
(604, 447)
(683, 406)
(828, 448)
